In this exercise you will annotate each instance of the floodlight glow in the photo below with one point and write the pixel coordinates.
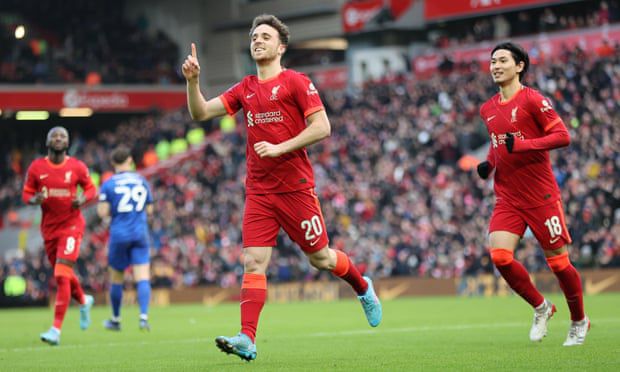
(75, 112)
(32, 115)
(20, 32)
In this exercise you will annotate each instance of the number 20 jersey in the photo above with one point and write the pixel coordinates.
(128, 194)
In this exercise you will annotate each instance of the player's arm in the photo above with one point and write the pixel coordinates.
(89, 190)
(557, 136)
(149, 215)
(103, 206)
(29, 192)
(486, 167)
(199, 108)
(103, 210)
(317, 128)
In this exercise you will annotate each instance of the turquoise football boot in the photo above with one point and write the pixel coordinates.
(51, 337)
(371, 304)
(240, 345)
(85, 311)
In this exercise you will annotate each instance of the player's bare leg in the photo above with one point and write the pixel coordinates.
(341, 266)
(253, 297)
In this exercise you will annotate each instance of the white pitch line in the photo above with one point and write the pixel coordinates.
(455, 327)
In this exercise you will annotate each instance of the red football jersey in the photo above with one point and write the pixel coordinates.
(58, 183)
(275, 111)
(522, 179)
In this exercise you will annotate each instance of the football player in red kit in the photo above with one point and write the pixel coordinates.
(283, 114)
(52, 182)
(523, 127)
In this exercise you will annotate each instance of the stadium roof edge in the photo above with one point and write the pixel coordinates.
(314, 11)
(83, 87)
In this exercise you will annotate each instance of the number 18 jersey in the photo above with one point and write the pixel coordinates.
(128, 194)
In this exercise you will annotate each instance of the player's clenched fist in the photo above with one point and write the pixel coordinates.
(191, 67)
(266, 149)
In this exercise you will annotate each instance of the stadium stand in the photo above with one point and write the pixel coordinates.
(390, 185)
(392, 189)
(109, 49)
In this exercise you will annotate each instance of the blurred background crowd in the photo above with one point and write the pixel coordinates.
(393, 194)
(395, 180)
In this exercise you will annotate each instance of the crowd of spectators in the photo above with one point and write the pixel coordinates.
(108, 48)
(497, 27)
(393, 194)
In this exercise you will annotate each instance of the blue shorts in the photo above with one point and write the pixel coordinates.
(123, 254)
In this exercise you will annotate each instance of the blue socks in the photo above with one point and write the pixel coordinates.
(143, 288)
(116, 297)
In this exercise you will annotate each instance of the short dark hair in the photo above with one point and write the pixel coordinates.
(273, 21)
(518, 54)
(120, 154)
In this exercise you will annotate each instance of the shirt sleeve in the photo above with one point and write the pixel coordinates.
(84, 180)
(30, 185)
(231, 100)
(540, 108)
(149, 193)
(306, 95)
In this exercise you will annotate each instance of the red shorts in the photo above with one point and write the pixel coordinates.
(298, 213)
(546, 222)
(65, 246)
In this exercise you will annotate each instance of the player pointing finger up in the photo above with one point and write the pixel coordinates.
(191, 67)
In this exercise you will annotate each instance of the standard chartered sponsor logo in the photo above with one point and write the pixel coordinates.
(59, 193)
(264, 117)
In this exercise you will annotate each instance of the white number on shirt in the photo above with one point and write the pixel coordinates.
(137, 194)
(70, 247)
(313, 227)
(554, 226)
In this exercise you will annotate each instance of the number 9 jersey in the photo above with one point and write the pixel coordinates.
(128, 194)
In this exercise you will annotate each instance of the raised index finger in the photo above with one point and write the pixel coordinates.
(193, 50)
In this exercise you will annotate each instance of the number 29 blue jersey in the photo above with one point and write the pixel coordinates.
(128, 194)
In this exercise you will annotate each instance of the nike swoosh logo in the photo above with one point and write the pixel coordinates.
(312, 244)
(554, 240)
(43, 176)
(491, 118)
(250, 96)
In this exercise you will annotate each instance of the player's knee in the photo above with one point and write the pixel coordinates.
(116, 277)
(141, 272)
(322, 260)
(252, 263)
(558, 263)
(501, 257)
(63, 270)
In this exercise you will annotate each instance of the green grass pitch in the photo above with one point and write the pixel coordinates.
(417, 334)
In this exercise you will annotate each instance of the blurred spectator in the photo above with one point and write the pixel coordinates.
(387, 177)
(86, 42)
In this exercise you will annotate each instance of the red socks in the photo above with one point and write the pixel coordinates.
(516, 276)
(348, 272)
(63, 297)
(253, 297)
(76, 290)
(570, 282)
